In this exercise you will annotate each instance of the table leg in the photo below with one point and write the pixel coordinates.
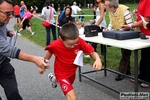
(80, 77)
(104, 50)
(136, 70)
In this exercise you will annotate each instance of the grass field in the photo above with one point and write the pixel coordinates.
(113, 54)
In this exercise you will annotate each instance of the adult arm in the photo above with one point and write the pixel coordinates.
(129, 23)
(25, 8)
(6, 50)
(23, 20)
(54, 11)
(39, 61)
(79, 9)
(134, 25)
(57, 18)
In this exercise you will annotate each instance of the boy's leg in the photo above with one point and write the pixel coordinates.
(67, 89)
(71, 95)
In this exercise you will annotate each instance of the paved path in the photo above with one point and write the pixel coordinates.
(33, 86)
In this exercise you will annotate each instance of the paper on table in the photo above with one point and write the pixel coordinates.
(79, 58)
(142, 18)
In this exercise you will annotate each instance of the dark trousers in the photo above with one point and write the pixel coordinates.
(58, 32)
(94, 45)
(48, 36)
(145, 65)
(8, 80)
(124, 66)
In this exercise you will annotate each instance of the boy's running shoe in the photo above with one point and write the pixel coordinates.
(53, 80)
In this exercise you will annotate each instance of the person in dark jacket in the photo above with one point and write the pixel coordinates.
(7, 72)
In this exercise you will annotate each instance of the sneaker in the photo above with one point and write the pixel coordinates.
(119, 77)
(18, 34)
(133, 81)
(145, 85)
(32, 33)
(53, 80)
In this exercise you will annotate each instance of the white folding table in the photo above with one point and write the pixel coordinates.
(130, 44)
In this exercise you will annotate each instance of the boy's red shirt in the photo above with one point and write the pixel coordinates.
(64, 57)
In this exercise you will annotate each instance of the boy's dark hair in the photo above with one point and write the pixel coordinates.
(69, 31)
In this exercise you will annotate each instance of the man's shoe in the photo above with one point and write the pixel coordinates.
(144, 85)
(132, 80)
(119, 77)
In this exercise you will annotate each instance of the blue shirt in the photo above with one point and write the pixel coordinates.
(22, 10)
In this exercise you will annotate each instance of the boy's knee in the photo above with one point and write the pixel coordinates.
(71, 95)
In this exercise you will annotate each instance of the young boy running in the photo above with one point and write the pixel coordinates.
(65, 50)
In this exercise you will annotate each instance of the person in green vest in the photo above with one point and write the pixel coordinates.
(120, 15)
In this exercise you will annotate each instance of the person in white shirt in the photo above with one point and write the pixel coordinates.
(75, 9)
(48, 14)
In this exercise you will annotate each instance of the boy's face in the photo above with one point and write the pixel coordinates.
(70, 43)
(79, 25)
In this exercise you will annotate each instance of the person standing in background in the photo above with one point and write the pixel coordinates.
(100, 21)
(17, 15)
(58, 8)
(143, 10)
(63, 18)
(23, 9)
(75, 9)
(7, 72)
(35, 7)
(25, 22)
(48, 14)
(120, 15)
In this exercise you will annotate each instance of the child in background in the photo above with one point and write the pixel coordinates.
(80, 27)
(65, 50)
(25, 22)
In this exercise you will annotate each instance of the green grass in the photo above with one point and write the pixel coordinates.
(113, 53)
